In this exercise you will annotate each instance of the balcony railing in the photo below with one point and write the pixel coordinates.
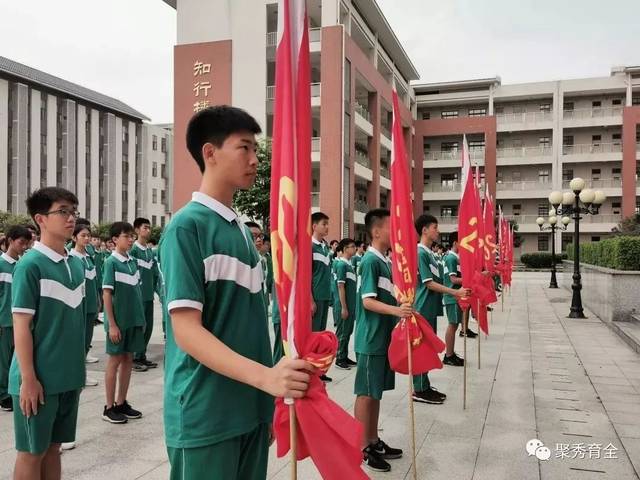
(600, 218)
(362, 110)
(315, 144)
(448, 220)
(271, 91)
(443, 187)
(272, 39)
(597, 112)
(475, 153)
(362, 159)
(315, 35)
(591, 148)
(360, 206)
(524, 185)
(602, 183)
(524, 117)
(540, 151)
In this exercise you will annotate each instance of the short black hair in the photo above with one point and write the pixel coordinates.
(118, 228)
(453, 238)
(332, 242)
(40, 201)
(18, 231)
(251, 224)
(373, 218)
(344, 243)
(359, 243)
(138, 222)
(79, 227)
(317, 217)
(214, 125)
(82, 221)
(424, 220)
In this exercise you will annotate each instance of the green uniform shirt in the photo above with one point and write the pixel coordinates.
(321, 271)
(373, 331)
(7, 264)
(50, 287)
(427, 301)
(355, 261)
(346, 275)
(91, 285)
(451, 267)
(121, 276)
(210, 264)
(146, 266)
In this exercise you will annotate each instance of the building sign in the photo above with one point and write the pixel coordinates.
(201, 85)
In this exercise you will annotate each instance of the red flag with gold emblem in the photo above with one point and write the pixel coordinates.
(324, 430)
(425, 344)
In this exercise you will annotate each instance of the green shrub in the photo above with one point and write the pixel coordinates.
(620, 253)
(539, 259)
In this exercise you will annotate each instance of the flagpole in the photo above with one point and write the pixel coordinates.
(465, 316)
(293, 431)
(411, 412)
(479, 334)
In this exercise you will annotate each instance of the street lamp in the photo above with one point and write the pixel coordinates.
(579, 200)
(553, 224)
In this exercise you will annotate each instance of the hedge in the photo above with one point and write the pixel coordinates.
(539, 259)
(619, 253)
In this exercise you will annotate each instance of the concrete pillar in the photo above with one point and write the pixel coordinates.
(109, 169)
(330, 12)
(69, 146)
(34, 140)
(19, 161)
(131, 180)
(52, 141)
(4, 142)
(81, 163)
(117, 215)
(94, 145)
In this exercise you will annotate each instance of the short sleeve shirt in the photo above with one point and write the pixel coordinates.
(427, 301)
(91, 286)
(7, 264)
(373, 330)
(451, 268)
(321, 271)
(210, 263)
(146, 266)
(50, 286)
(345, 275)
(121, 276)
(355, 261)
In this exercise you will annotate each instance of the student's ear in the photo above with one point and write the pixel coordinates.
(208, 152)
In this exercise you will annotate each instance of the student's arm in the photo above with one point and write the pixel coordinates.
(344, 311)
(455, 279)
(108, 285)
(31, 392)
(369, 291)
(460, 292)
(287, 379)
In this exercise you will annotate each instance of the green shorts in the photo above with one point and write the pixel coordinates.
(54, 423)
(239, 458)
(373, 376)
(454, 314)
(132, 341)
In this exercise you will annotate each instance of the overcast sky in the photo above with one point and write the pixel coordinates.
(124, 48)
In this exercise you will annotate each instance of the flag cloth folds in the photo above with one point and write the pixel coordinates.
(425, 344)
(324, 430)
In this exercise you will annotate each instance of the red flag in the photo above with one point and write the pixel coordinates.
(325, 431)
(425, 343)
(489, 232)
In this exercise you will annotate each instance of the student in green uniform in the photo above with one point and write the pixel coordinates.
(361, 247)
(344, 300)
(428, 301)
(92, 300)
(258, 241)
(333, 245)
(452, 279)
(376, 315)
(47, 371)
(18, 239)
(124, 322)
(321, 271)
(278, 348)
(148, 273)
(219, 379)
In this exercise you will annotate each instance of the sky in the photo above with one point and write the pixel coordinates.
(124, 48)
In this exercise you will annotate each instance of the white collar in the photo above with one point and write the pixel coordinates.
(139, 245)
(344, 260)
(76, 253)
(424, 247)
(225, 212)
(52, 254)
(122, 258)
(453, 253)
(8, 258)
(317, 242)
(378, 254)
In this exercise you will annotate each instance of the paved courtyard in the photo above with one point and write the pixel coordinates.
(572, 384)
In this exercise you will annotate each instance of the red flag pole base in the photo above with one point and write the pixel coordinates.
(294, 442)
(411, 412)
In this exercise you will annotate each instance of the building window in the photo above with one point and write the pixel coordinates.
(448, 211)
(426, 116)
(163, 197)
(516, 176)
(450, 114)
(449, 179)
(163, 171)
(635, 100)
(163, 145)
(568, 106)
(154, 220)
(545, 107)
(154, 195)
(595, 239)
(596, 104)
(595, 174)
(154, 142)
(544, 142)
(616, 102)
(615, 208)
(543, 175)
(543, 209)
(517, 209)
(567, 140)
(616, 138)
(567, 174)
(543, 242)
(476, 144)
(477, 112)
(616, 173)
(596, 140)
(162, 221)
(154, 169)
(449, 146)
(498, 110)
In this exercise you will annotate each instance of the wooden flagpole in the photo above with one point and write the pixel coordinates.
(411, 412)
(293, 442)
(465, 316)
(479, 334)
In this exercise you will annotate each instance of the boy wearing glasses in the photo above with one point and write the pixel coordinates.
(124, 322)
(47, 371)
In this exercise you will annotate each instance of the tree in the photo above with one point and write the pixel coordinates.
(517, 238)
(8, 219)
(255, 201)
(628, 226)
(102, 230)
(156, 233)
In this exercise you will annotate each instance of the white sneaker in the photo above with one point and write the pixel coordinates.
(90, 382)
(91, 359)
(68, 446)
